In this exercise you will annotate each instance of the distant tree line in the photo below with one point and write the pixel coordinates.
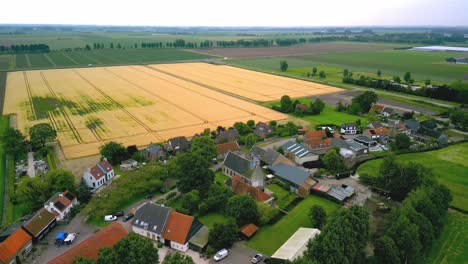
(455, 92)
(31, 48)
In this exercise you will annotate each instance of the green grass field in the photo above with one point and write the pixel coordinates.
(452, 245)
(213, 218)
(422, 65)
(449, 165)
(62, 59)
(4, 123)
(270, 237)
(285, 198)
(220, 177)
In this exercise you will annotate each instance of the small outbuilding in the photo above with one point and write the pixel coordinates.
(249, 230)
(295, 246)
(199, 241)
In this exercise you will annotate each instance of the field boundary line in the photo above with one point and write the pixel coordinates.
(28, 90)
(3, 78)
(70, 58)
(27, 60)
(110, 99)
(62, 110)
(207, 96)
(161, 98)
(49, 59)
(90, 58)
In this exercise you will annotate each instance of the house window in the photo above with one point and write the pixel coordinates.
(147, 234)
(94, 184)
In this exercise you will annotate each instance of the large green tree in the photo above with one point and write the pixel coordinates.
(386, 250)
(83, 192)
(204, 146)
(243, 208)
(333, 162)
(363, 102)
(318, 216)
(177, 258)
(283, 65)
(193, 172)
(60, 180)
(41, 133)
(402, 141)
(317, 106)
(135, 249)
(15, 143)
(113, 151)
(216, 199)
(223, 235)
(32, 192)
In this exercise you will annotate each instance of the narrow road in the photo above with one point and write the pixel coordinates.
(31, 171)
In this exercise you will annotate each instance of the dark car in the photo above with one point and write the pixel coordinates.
(128, 217)
(149, 196)
(119, 213)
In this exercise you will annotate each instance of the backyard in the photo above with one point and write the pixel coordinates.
(284, 198)
(270, 237)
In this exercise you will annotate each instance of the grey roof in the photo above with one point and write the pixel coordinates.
(262, 129)
(237, 163)
(151, 217)
(291, 173)
(338, 142)
(270, 156)
(227, 135)
(412, 124)
(341, 193)
(354, 146)
(179, 143)
(257, 151)
(388, 110)
(297, 149)
(153, 149)
(376, 124)
(364, 139)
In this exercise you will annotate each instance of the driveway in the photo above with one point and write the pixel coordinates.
(239, 253)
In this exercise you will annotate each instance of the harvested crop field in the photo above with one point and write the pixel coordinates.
(310, 48)
(253, 85)
(134, 105)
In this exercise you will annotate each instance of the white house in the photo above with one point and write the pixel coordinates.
(150, 220)
(60, 204)
(349, 129)
(98, 175)
(177, 230)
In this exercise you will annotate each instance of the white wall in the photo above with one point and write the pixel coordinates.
(179, 247)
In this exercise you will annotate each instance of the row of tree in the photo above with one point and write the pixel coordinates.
(360, 104)
(287, 105)
(28, 48)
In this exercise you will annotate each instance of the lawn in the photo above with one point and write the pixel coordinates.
(452, 245)
(4, 123)
(422, 65)
(220, 177)
(213, 218)
(269, 238)
(449, 165)
(284, 197)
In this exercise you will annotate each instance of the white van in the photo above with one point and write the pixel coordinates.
(70, 238)
(110, 218)
(221, 254)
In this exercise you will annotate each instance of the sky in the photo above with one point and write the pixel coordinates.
(283, 13)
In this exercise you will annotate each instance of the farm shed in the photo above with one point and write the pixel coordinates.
(40, 224)
(248, 230)
(16, 247)
(89, 248)
(199, 241)
(295, 246)
(294, 175)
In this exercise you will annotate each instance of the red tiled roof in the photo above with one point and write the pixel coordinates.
(106, 166)
(377, 108)
(14, 243)
(249, 230)
(315, 134)
(337, 135)
(381, 131)
(240, 187)
(178, 227)
(96, 172)
(225, 147)
(89, 247)
(315, 139)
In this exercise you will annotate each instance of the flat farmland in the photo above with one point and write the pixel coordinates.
(134, 105)
(253, 85)
(310, 48)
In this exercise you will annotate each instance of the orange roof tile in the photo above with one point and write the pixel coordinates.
(240, 187)
(89, 248)
(337, 135)
(315, 134)
(225, 147)
(377, 108)
(14, 243)
(178, 227)
(249, 230)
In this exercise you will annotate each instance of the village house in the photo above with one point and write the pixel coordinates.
(249, 170)
(227, 136)
(268, 156)
(376, 108)
(349, 129)
(378, 134)
(177, 144)
(387, 111)
(177, 231)
(262, 130)
(413, 126)
(397, 128)
(240, 187)
(89, 248)
(298, 178)
(222, 149)
(98, 175)
(375, 125)
(301, 154)
(154, 152)
(61, 204)
(16, 247)
(366, 141)
(40, 224)
(316, 140)
(150, 220)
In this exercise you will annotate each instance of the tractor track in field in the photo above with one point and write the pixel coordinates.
(28, 90)
(204, 95)
(70, 58)
(121, 107)
(49, 59)
(27, 60)
(69, 122)
(161, 98)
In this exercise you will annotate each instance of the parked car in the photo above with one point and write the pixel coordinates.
(110, 218)
(257, 258)
(70, 238)
(223, 253)
(128, 217)
(60, 238)
(149, 196)
(119, 213)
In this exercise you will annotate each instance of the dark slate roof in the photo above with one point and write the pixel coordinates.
(69, 195)
(270, 156)
(153, 149)
(257, 151)
(227, 135)
(290, 173)
(412, 124)
(349, 125)
(354, 146)
(59, 205)
(179, 143)
(376, 124)
(362, 138)
(338, 142)
(388, 110)
(237, 163)
(262, 129)
(297, 149)
(152, 217)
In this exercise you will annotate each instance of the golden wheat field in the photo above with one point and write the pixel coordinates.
(134, 105)
(253, 85)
